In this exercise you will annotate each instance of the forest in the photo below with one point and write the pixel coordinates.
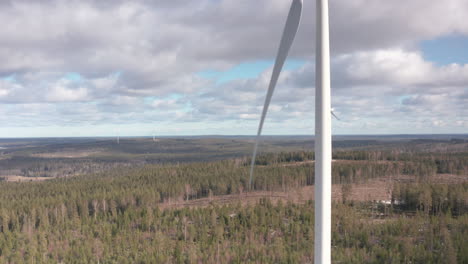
(204, 212)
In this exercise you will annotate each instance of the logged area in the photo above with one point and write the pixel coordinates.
(186, 200)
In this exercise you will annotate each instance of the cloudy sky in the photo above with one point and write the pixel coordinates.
(184, 67)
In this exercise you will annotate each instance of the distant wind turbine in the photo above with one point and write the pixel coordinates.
(154, 136)
(323, 114)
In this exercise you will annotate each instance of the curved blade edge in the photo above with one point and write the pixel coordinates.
(289, 33)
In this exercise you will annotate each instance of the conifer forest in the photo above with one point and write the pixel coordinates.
(187, 200)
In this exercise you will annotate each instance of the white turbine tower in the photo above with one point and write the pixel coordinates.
(323, 113)
(323, 143)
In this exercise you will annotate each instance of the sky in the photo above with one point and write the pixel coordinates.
(182, 67)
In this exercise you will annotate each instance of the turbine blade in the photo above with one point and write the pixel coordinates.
(333, 114)
(290, 30)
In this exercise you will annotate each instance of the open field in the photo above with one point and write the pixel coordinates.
(376, 190)
(67, 154)
(16, 178)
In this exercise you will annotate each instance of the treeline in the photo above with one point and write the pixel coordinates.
(274, 158)
(398, 238)
(114, 217)
(415, 163)
(456, 163)
(159, 183)
(432, 199)
(263, 233)
(59, 167)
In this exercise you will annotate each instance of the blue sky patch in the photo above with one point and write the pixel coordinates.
(73, 76)
(247, 70)
(173, 96)
(446, 50)
(402, 98)
(9, 78)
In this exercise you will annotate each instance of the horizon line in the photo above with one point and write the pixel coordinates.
(241, 135)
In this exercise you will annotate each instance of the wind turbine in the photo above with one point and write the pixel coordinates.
(323, 114)
(154, 135)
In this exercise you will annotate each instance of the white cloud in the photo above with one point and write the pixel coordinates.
(3, 92)
(63, 92)
(400, 67)
(5, 87)
(133, 55)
